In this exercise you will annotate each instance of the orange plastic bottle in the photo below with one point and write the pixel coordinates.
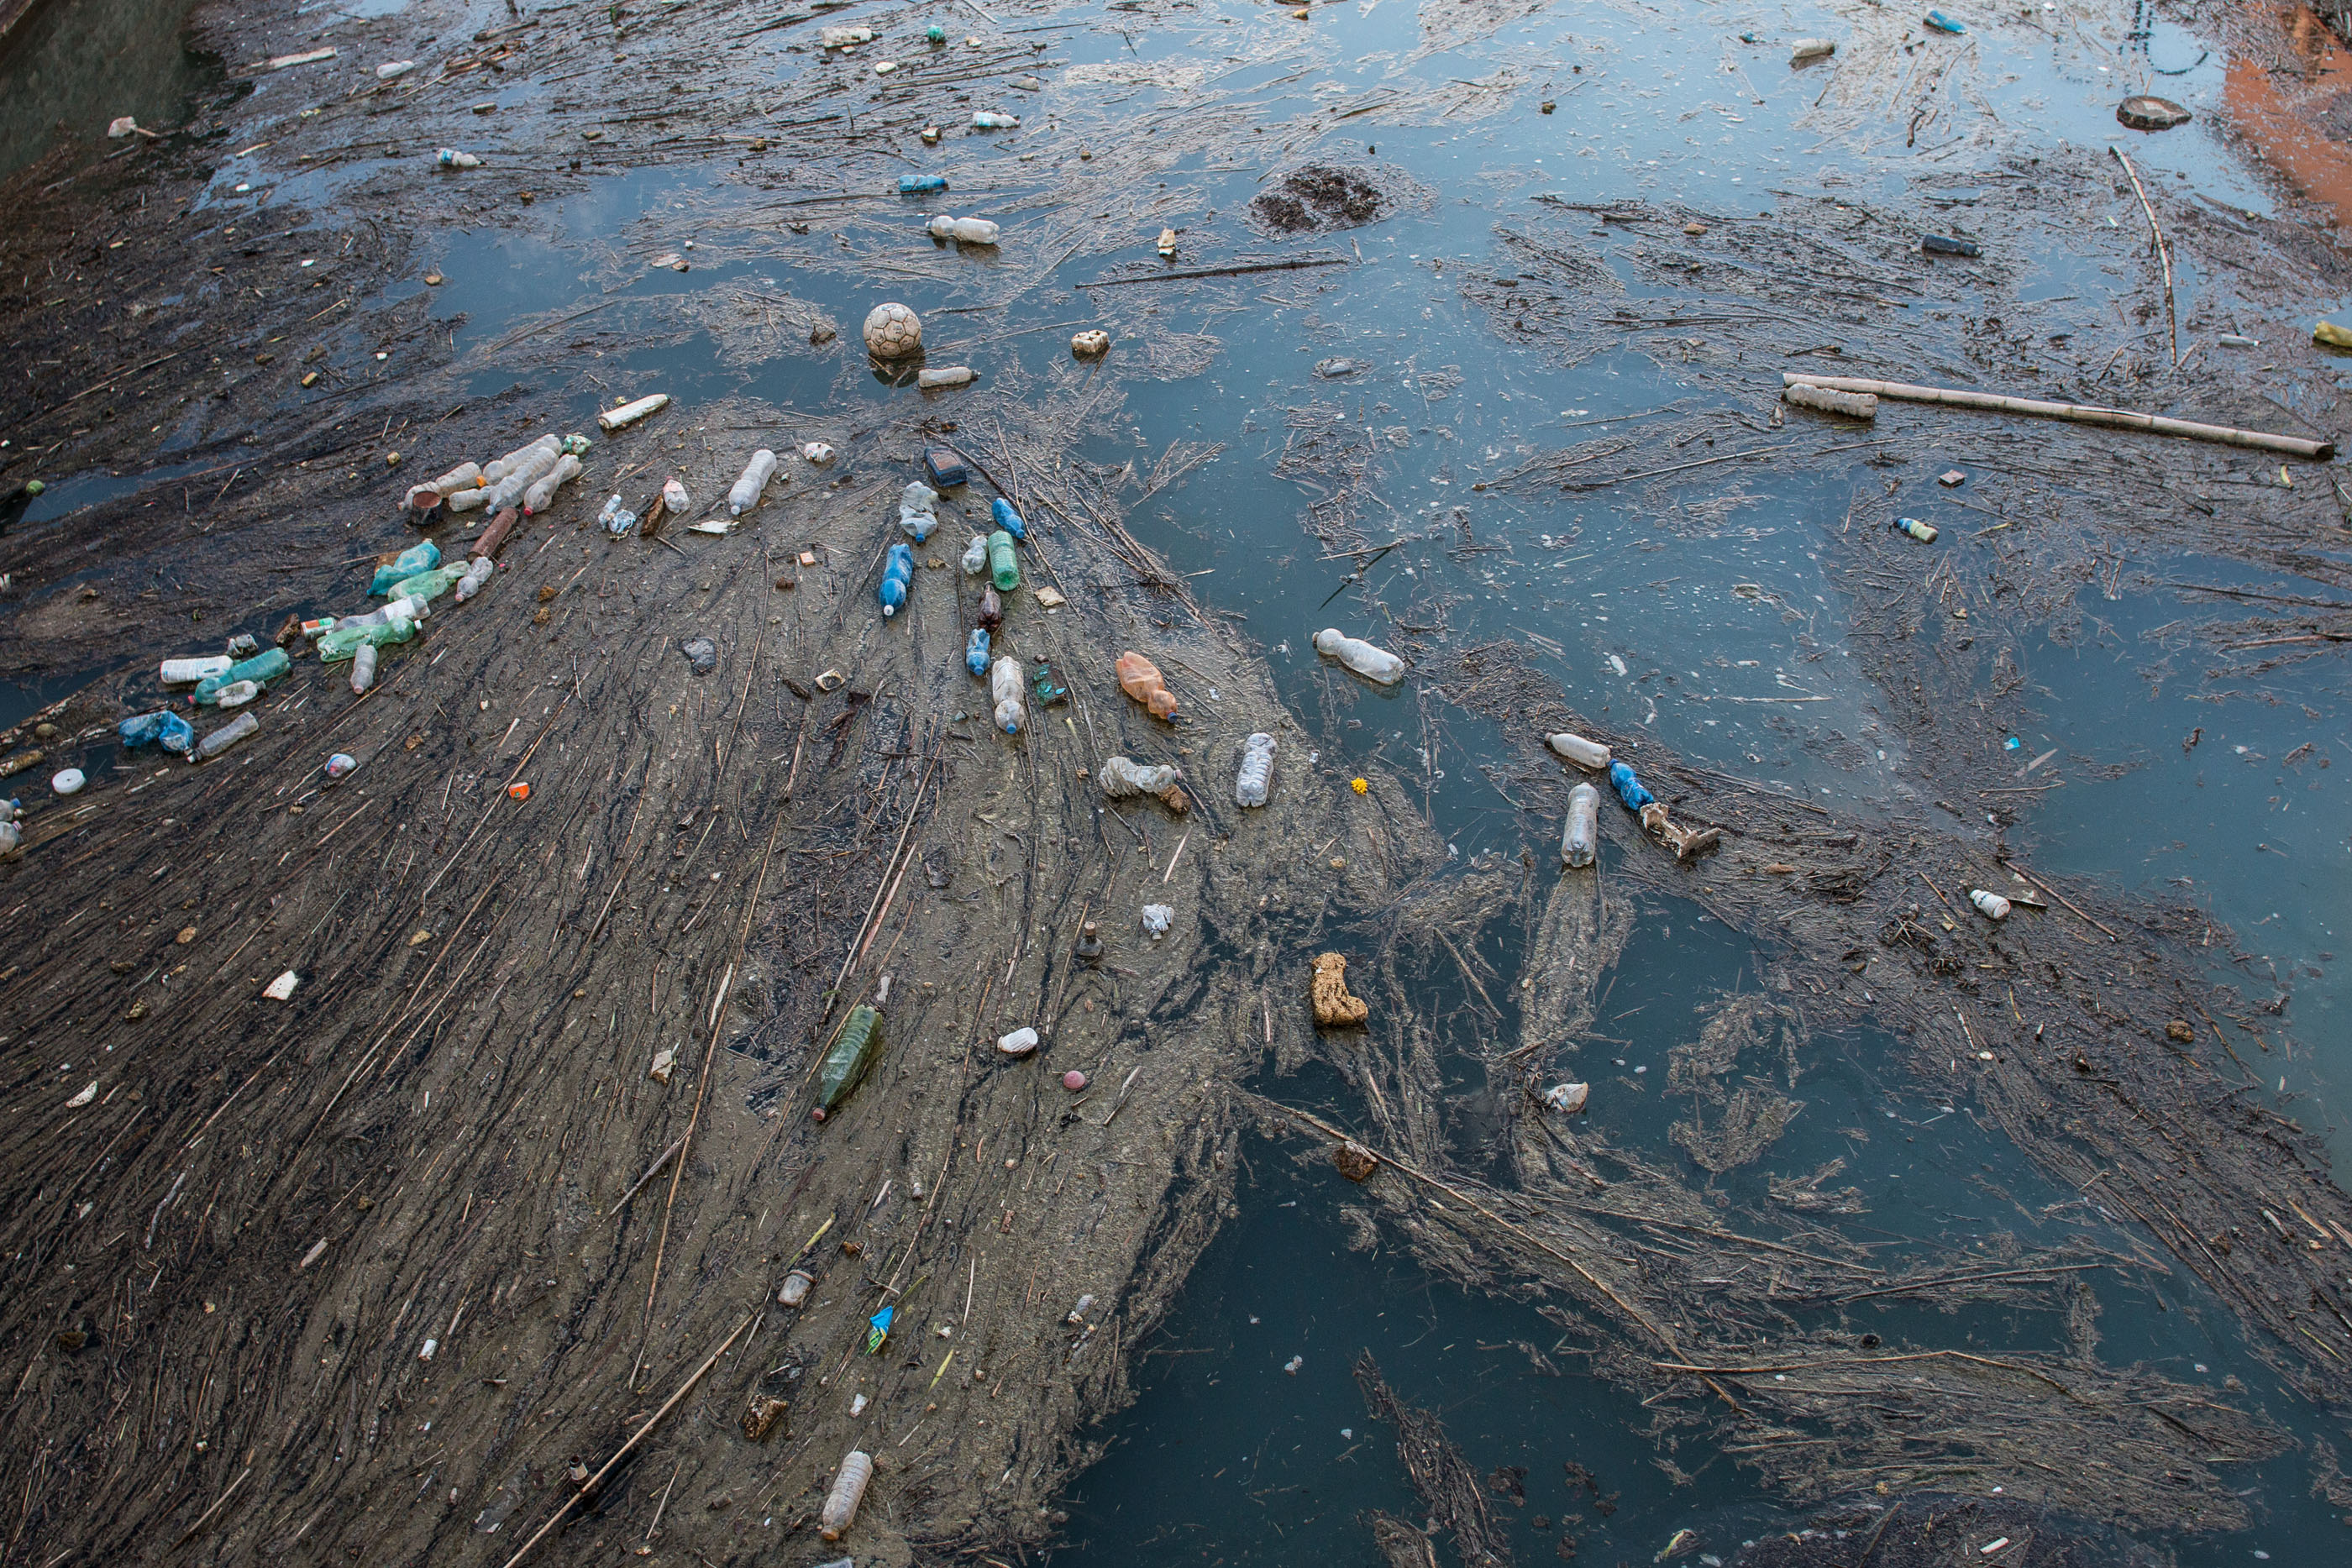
(1139, 678)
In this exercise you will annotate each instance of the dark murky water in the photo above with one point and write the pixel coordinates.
(1227, 1458)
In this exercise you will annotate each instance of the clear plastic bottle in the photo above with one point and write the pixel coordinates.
(1374, 663)
(362, 669)
(227, 735)
(450, 158)
(975, 557)
(898, 574)
(422, 555)
(1255, 780)
(477, 578)
(915, 510)
(501, 467)
(840, 1510)
(1587, 754)
(1004, 690)
(542, 489)
(536, 464)
(1581, 839)
(1003, 566)
(1121, 778)
(186, 672)
(618, 519)
(963, 231)
(747, 490)
(993, 120)
(1005, 517)
(236, 694)
(975, 651)
(468, 501)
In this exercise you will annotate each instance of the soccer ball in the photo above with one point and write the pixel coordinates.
(893, 332)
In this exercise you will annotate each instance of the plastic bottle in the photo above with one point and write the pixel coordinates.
(921, 184)
(748, 489)
(1256, 777)
(542, 489)
(1139, 678)
(1008, 519)
(676, 502)
(345, 642)
(1924, 532)
(244, 645)
(184, 672)
(501, 467)
(852, 1052)
(260, 669)
(236, 694)
(1568, 1099)
(538, 462)
(1992, 905)
(1580, 840)
(477, 578)
(227, 735)
(975, 651)
(628, 413)
(428, 586)
(163, 726)
(1003, 566)
(422, 555)
(848, 1488)
(946, 376)
(898, 572)
(993, 120)
(618, 519)
(1157, 917)
(817, 453)
(1004, 691)
(915, 513)
(362, 669)
(1628, 789)
(1805, 49)
(1374, 663)
(450, 158)
(975, 557)
(1588, 753)
(11, 839)
(1120, 777)
(340, 766)
(1020, 1042)
(963, 231)
(468, 501)
(991, 614)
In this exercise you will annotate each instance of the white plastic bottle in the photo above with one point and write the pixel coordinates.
(1580, 840)
(975, 561)
(1020, 1042)
(362, 669)
(542, 489)
(1992, 905)
(1372, 663)
(1586, 753)
(848, 1490)
(674, 500)
(994, 120)
(946, 376)
(1256, 777)
(1120, 777)
(519, 478)
(469, 500)
(754, 481)
(916, 516)
(1004, 691)
(477, 578)
(186, 672)
(514, 460)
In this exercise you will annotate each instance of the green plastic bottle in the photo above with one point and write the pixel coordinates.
(262, 668)
(853, 1051)
(428, 586)
(344, 641)
(1004, 568)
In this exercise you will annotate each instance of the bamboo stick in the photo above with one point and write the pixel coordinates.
(2080, 413)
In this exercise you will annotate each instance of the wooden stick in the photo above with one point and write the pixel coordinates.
(635, 1438)
(1217, 271)
(2054, 894)
(2163, 251)
(652, 1171)
(2080, 413)
(205, 1517)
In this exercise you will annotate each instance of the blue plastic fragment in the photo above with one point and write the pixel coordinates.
(1944, 24)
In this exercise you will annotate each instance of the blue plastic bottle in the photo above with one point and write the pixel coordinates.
(163, 726)
(975, 653)
(1628, 789)
(896, 573)
(1008, 519)
(423, 556)
(919, 184)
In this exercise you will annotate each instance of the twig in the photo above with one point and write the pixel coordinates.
(2057, 894)
(652, 1171)
(2079, 414)
(215, 1508)
(1234, 271)
(2163, 251)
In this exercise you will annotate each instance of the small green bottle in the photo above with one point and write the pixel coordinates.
(428, 586)
(1004, 568)
(853, 1051)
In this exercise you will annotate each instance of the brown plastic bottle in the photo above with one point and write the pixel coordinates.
(1139, 678)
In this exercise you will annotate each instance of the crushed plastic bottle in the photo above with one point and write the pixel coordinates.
(1004, 691)
(1003, 566)
(427, 586)
(963, 231)
(261, 669)
(477, 578)
(227, 735)
(236, 694)
(244, 645)
(916, 515)
(841, 1503)
(921, 184)
(946, 376)
(363, 659)
(186, 672)
(1587, 754)
(817, 454)
(450, 158)
(852, 1052)
(747, 490)
(897, 571)
(1252, 784)
(676, 502)
(1568, 1099)
(1991, 905)
(1628, 789)
(345, 642)
(1157, 918)
(161, 727)
(975, 651)
(340, 766)
(1005, 517)
(1924, 532)
(995, 119)
(1581, 839)
(541, 490)
(991, 613)
(975, 557)
(1121, 778)
(1139, 678)
(422, 555)
(501, 467)
(617, 519)
(1372, 662)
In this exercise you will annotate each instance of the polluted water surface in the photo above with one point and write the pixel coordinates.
(1460, 330)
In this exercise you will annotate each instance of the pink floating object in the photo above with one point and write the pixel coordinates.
(1074, 1081)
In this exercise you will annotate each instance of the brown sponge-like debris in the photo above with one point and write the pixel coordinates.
(1333, 1005)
